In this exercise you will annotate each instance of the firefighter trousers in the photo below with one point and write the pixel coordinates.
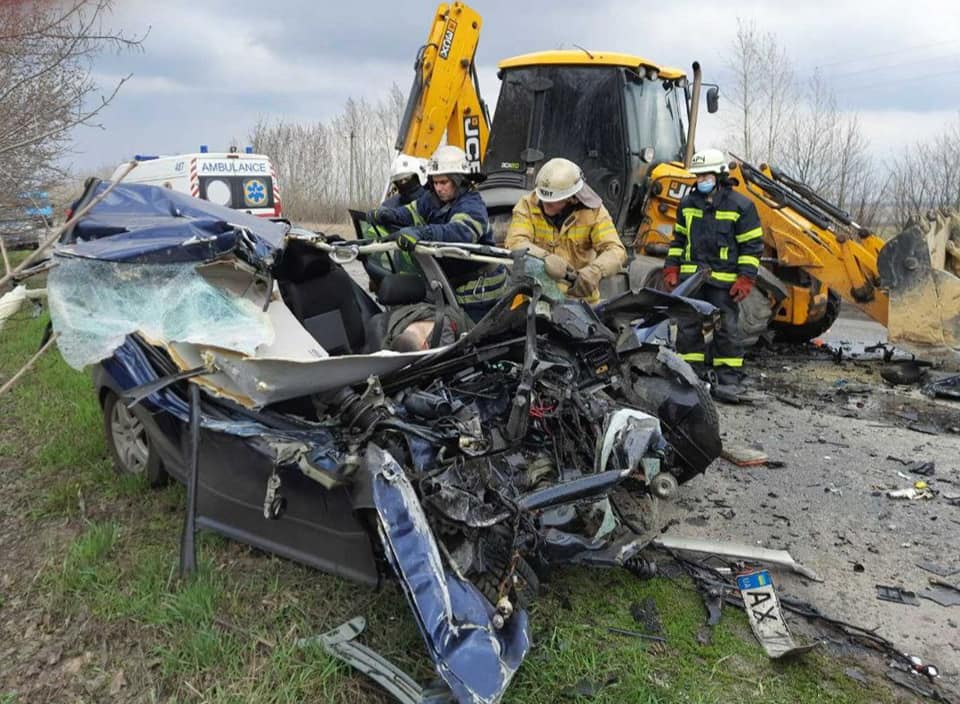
(725, 352)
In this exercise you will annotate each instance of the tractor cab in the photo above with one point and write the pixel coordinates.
(615, 115)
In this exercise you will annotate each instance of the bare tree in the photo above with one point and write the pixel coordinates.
(762, 92)
(927, 176)
(809, 149)
(797, 126)
(325, 168)
(46, 87)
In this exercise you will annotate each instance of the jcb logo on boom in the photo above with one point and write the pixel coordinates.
(471, 140)
(447, 41)
(678, 189)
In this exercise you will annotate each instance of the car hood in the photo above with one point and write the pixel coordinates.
(149, 224)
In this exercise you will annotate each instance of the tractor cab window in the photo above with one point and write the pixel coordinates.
(654, 118)
(573, 112)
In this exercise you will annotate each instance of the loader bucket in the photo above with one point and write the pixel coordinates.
(924, 309)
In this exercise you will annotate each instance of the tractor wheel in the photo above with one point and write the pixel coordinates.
(799, 334)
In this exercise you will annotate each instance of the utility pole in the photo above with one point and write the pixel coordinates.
(353, 168)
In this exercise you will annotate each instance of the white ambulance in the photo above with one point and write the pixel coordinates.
(243, 181)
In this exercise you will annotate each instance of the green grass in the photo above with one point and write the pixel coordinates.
(230, 632)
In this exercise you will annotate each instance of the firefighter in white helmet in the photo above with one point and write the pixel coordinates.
(564, 221)
(451, 210)
(719, 229)
(408, 176)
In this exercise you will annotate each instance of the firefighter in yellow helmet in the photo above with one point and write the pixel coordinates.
(563, 220)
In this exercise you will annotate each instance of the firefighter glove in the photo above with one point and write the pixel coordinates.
(586, 283)
(384, 216)
(557, 267)
(741, 288)
(671, 277)
(407, 238)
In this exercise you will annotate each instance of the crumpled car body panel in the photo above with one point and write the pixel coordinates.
(458, 469)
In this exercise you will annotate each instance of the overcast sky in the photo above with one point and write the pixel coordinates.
(210, 68)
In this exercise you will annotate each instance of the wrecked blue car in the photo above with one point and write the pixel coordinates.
(247, 359)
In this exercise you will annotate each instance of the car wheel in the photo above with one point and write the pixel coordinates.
(498, 560)
(130, 445)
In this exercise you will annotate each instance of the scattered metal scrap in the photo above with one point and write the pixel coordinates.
(341, 643)
(711, 579)
(942, 592)
(897, 595)
(939, 570)
(744, 552)
(948, 388)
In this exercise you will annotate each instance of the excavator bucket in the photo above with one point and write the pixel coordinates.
(917, 269)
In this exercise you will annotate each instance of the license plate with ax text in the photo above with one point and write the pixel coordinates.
(766, 616)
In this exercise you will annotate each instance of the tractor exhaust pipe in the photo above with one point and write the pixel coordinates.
(694, 111)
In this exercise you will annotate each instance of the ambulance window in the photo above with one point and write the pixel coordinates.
(218, 191)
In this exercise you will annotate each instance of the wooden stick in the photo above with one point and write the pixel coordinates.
(23, 370)
(52, 239)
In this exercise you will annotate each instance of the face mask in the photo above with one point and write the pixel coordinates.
(705, 186)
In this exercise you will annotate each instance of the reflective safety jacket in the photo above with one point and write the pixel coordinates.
(721, 232)
(464, 219)
(587, 237)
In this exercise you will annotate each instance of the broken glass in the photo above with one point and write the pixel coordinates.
(94, 305)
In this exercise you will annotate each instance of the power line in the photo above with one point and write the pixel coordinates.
(853, 87)
(889, 66)
(927, 45)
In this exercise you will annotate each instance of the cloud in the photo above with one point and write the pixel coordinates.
(210, 69)
(892, 131)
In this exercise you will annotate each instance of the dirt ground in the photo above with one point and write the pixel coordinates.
(844, 437)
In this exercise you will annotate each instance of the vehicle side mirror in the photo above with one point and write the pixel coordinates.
(647, 154)
(713, 99)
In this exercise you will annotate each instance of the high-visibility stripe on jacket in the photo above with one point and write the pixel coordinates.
(722, 232)
(464, 219)
(587, 237)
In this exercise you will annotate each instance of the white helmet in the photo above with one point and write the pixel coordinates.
(709, 161)
(448, 159)
(404, 166)
(558, 180)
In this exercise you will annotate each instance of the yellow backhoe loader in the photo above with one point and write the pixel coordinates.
(630, 123)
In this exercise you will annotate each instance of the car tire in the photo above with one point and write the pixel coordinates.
(129, 442)
(497, 561)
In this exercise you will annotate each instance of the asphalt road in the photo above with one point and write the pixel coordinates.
(836, 426)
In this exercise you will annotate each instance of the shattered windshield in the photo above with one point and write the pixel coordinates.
(535, 268)
(94, 305)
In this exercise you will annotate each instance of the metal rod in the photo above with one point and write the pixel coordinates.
(23, 370)
(694, 111)
(636, 634)
(188, 548)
